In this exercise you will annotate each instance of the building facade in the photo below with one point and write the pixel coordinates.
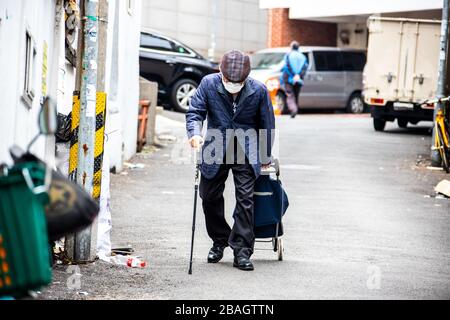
(336, 23)
(211, 27)
(122, 80)
(28, 44)
(34, 62)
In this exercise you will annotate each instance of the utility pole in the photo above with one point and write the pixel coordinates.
(102, 43)
(442, 76)
(212, 45)
(84, 243)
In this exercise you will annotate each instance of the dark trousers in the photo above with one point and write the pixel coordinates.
(241, 238)
(292, 91)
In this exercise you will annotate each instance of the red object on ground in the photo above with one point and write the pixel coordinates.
(142, 124)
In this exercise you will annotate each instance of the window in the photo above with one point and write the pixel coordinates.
(156, 43)
(353, 61)
(328, 61)
(30, 59)
(267, 60)
(153, 42)
(181, 49)
(307, 59)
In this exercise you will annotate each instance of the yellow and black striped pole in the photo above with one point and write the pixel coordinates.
(100, 120)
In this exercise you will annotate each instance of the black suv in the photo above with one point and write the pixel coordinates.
(176, 68)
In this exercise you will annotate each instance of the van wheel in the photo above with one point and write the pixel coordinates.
(402, 123)
(379, 124)
(181, 94)
(356, 104)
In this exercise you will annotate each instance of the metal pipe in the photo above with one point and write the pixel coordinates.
(442, 77)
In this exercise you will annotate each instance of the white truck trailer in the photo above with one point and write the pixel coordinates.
(401, 70)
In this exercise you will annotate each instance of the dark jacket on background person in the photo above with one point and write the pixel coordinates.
(213, 103)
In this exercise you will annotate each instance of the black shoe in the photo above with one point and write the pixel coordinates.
(215, 254)
(243, 264)
(293, 114)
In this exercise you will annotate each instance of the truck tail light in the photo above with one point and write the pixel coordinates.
(273, 84)
(377, 101)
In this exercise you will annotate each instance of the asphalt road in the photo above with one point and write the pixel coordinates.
(361, 222)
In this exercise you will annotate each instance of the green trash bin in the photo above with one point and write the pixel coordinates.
(24, 247)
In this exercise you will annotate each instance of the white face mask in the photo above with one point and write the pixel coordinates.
(232, 87)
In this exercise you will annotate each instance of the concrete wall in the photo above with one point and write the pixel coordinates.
(18, 120)
(305, 9)
(336, 20)
(352, 35)
(239, 24)
(122, 80)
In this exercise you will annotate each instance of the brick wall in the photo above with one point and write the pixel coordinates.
(283, 30)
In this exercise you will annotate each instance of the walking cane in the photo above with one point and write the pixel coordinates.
(197, 170)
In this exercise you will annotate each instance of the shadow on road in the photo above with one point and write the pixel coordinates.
(419, 131)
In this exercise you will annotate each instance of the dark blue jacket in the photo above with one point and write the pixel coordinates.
(213, 103)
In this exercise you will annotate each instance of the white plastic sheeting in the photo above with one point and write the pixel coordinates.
(104, 217)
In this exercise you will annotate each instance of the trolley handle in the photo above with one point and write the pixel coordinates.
(274, 168)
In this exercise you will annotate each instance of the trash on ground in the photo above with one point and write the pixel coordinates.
(434, 168)
(436, 196)
(83, 293)
(122, 251)
(149, 149)
(167, 137)
(129, 261)
(134, 165)
(443, 187)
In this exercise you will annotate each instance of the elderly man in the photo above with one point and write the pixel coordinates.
(233, 104)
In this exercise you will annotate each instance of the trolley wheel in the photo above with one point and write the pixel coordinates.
(280, 249)
(275, 244)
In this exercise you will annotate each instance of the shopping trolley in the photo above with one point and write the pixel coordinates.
(271, 203)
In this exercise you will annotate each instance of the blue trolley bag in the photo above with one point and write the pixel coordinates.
(271, 203)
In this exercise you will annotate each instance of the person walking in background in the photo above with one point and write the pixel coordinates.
(293, 71)
(231, 102)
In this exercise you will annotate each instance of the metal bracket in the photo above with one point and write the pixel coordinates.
(390, 77)
(420, 77)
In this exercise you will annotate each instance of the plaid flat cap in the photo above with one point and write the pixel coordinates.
(235, 66)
